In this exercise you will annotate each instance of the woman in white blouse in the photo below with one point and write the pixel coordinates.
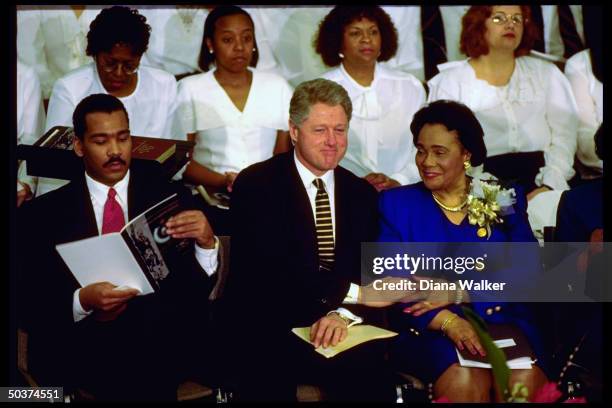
(30, 124)
(52, 40)
(237, 116)
(525, 104)
(116, 40)
(585, 73)
(384, 100)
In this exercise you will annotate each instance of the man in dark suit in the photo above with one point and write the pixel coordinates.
(298, 223)
(107, 340)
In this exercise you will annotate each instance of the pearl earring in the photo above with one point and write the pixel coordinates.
(341, 55)
(211, 51)
(254, 49)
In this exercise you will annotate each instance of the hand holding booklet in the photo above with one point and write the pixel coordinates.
(132, 258)
(356, 335)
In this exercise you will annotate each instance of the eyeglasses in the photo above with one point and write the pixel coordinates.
(501, 18)
(127, 68)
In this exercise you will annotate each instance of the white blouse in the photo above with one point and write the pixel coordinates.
(588, 91)
(53, 40)
(380, 140)
(30, 114)
(535, 111)
(409, 55)
(175, 42)
(226, 138)
(150, 107)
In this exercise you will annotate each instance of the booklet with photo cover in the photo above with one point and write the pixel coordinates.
(356, 335)
(134, 257)
(511, 340)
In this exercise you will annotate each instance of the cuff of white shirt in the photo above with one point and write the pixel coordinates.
(551, 177)
(352, 297)
(347, 314)
(178, 176)
(78, 313)
(208, 258)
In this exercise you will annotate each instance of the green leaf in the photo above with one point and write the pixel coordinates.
(495, 355)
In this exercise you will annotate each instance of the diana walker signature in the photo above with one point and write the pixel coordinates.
(427, 284)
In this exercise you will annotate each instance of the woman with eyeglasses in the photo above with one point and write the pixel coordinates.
(116, 40)
(525, 104)
(236, 115)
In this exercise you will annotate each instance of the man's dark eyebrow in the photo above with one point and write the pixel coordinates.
(102, 134)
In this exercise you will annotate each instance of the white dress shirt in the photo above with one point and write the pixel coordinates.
(307, 178)
(380, 140)
(52, 40)
(175, 42)
(150, 107)
(226, 138)
(289, 32)
(588, 91)
(98, 192)
(30, 115)
(409, 55)
(535, 111)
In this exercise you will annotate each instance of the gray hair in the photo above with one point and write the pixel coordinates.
(317, 91)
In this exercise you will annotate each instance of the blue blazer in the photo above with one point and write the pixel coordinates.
(409, 214)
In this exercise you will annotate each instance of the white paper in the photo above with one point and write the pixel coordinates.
(515, 364)
(104, 258)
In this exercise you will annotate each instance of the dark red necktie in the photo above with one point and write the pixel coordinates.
(112, 220)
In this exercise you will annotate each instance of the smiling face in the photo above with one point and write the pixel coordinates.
(117, 69)
(232, 43)
(439, 158)
(361, 42)
(503, 29)
(106, 147)
(321, 140)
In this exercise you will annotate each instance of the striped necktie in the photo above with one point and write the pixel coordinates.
(325, 230)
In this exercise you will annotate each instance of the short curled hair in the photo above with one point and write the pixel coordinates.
(315, 91)
(95, 103)
(454, 116)
(329, 38)
(473, 29)
(118, 25)
(206, 58)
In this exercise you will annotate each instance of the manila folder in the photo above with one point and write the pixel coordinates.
(356, 335)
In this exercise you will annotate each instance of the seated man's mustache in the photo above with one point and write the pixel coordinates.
(115, 160)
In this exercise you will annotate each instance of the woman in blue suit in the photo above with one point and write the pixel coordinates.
(449, 140)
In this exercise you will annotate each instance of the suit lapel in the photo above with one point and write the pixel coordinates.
(342, 208)
(84, 225)
(300, 217)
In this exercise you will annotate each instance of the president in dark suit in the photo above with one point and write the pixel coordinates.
(111, 342)
(298, 223)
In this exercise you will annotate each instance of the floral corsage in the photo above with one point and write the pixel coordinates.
(487, 202)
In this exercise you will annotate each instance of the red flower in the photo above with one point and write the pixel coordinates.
(548, 393)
